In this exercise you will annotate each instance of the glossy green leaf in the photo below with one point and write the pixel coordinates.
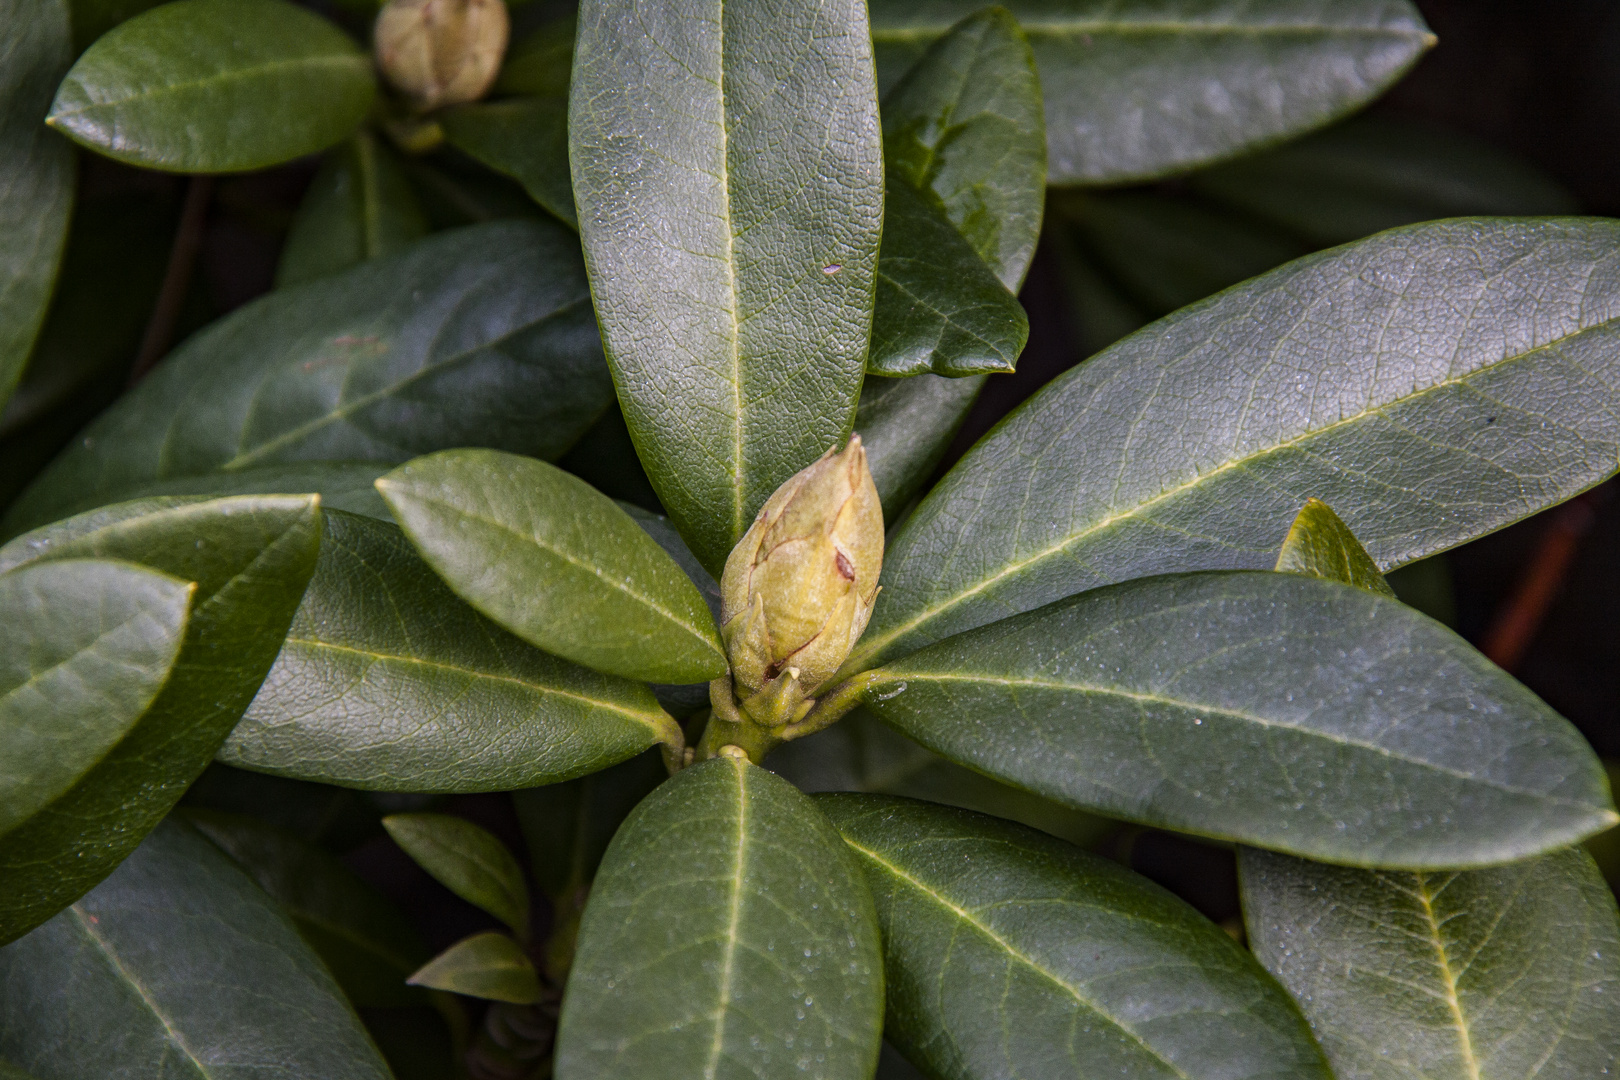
(250, 558)
(483, 335)
(729, 933)
(525, 138)
(1495, 974)
(387, 681)
(965, 126)
(177, 965)
(1136, 90)
(488, 965)
(555, 562)
(86, 646)
(1431, 384)
(1321, 545)
(364, 940)
(727, 171)
(1008, 954)
(359, 206)
(939, 309)
(906, 425)
(209, 86)
(36, 176)
(1275, 709)
(468, 861)
(542, 62)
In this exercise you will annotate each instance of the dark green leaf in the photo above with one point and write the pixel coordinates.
(906, 425)
(483, 335)
(1431, 384)
(389, 682)
(542, 62)
(85, 648)
(727, 170)
(1009, 954)
(524, 138)
(488, 965)
(207, 86)
(1139, 90)
(1275, 709)
(557, 563)
(568, 826)
(1496, 974)
(965, 126)
(36, 176)
(358, 207)
(1321, 545)
(177, 965)
(468, 861)
(338, 819)
(366, 943)
(250, 558)
(939, 307)
(728, 923)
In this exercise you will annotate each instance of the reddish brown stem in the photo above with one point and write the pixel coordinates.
(1519, 619)
(160, 328)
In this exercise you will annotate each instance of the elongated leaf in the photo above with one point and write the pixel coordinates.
(86, 647)
(1321, 545)
(358, 207)
(177, 965)
(1009, 953)
(524, 138)
(728, 924)
(208, 86)
(482, 336)
(36, 176)
(364, 940)
(1138, 90)
(250, 558)
(1490, 974)
(468, 861)
(387, 681)
(906, 425)
(488, 965)
(557, 563)
(1430, 384)
(727, 171)
(1276, 709)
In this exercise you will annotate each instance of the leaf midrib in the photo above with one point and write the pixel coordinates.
(1465, 1041)
(734, 921)
(213, 82)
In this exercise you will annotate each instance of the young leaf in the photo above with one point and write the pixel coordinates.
(727, 171)
(728, 923)
(210, 86)
(1321, 545)
(36, 175)
(364, 940)
(85, 648)
(177, 964)
(468, 861)
(906, 425)
(250, 558)
(1275, 709)
(1140, 90)
(1431, 384)
(387, 681)
(359, 206)
(482, 335)
(1010, 953)
(488, 965)
(557, 563)
(1494, 974)
(525, 138)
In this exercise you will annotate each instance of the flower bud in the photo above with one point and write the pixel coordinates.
(798, 589)
(441, 52)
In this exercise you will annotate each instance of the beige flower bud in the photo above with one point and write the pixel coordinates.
(798, 589)
(441, 52)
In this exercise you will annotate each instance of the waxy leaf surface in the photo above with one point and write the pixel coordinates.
(177, 965)
(729, 935)
(1430, 384)
(358, 207)
(480, 336)
(727, 169)
(525, 138)
(387, 681)
(468, 861)
(1276, 709)
(250, 557)
(210, 86)
(488, 965)
(1138, 89)
(1495, 974)
(1008, 953)
(557, 563)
